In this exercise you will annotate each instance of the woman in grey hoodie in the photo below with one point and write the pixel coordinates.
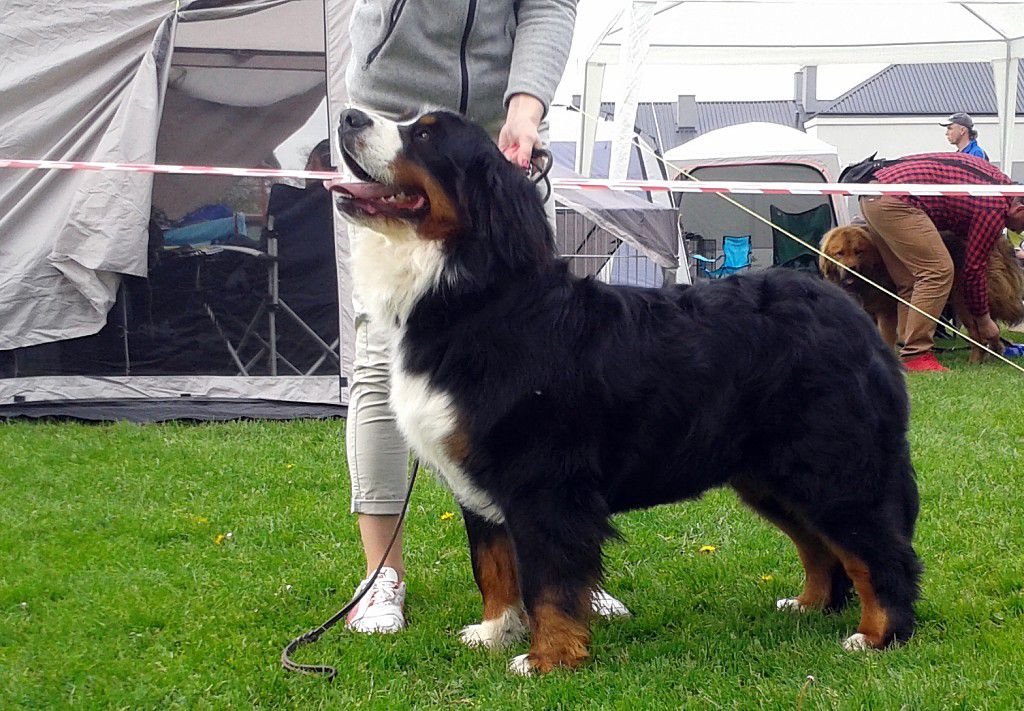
(497, 62)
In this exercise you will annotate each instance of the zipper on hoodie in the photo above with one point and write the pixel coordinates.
(396, 11)
(463, 62)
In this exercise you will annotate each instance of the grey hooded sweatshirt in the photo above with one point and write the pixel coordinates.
(469, 56)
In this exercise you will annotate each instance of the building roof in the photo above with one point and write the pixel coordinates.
(916, 89)
(656, 120)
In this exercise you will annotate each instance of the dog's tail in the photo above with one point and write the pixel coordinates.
(908, 500)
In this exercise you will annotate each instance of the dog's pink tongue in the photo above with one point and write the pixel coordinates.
(363, 191)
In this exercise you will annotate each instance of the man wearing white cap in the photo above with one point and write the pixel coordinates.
(960, 132)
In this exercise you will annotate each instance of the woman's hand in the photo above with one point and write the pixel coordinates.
(520, 134)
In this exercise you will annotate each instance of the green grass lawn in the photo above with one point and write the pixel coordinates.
(120, 587)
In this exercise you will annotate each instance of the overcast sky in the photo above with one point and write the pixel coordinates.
(658, 82)
(708, 83)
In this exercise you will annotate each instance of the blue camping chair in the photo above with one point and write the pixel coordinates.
(735, 253)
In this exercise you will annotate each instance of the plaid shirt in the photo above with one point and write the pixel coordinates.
(980, 219)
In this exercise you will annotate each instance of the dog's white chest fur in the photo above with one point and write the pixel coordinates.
(390, 274)
(427, 418)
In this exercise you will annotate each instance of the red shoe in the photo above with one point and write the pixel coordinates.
(926, 362)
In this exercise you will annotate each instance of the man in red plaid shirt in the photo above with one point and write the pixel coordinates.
(914, 253)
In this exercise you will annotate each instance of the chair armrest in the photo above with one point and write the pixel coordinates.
(706, 260)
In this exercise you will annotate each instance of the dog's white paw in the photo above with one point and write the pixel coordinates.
(498, 633)
(791, 604)
(857, 643)
(521, 666)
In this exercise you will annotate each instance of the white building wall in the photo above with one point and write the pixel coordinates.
(857, 138)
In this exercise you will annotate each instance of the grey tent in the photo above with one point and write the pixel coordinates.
(100, 309)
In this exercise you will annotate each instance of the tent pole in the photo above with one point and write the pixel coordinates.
(634, 52)
(1006, 104)
(590, 103)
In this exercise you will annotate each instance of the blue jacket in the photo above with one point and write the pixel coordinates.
(973, 149)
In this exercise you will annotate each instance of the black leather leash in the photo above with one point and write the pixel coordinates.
(541, 163)
(314, 634)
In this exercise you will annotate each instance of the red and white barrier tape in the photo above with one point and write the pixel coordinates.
(674, 186)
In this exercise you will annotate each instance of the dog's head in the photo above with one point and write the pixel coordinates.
(852, 247)
(442, 178)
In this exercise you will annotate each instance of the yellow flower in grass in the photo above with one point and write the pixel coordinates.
(447, 516)
(767, 578)
(219, 539)
(708, 549)
(200, 519)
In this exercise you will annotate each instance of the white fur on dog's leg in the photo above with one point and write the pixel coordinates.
(857, 643)
(521, 665)
(791, 604)
(498, 633)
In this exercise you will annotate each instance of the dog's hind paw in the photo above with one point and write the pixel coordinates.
(791, 604)
(498, 633)
(521, 665)
(857, 643)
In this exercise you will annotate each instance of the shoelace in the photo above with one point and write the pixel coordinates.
(382, 591)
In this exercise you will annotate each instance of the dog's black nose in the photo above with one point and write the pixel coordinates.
(354, 120)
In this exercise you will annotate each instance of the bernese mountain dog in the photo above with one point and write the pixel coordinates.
(547, 403)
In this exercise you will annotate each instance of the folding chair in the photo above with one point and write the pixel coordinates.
(736, 253)
(301, 220)
(809, 225)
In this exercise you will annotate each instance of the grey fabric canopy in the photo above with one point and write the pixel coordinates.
(649, 228)
(210, 82)
(93, 82)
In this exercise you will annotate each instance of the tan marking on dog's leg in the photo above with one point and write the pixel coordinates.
(874, 621)
(503, 619)
(498, 582)
(558, 639)
(818, 563)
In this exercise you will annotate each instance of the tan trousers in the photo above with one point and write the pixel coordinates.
(917, 261)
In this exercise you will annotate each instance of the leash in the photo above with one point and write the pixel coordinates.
(541, 163)
(314, 634)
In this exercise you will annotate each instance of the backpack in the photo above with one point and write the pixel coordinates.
(864, 171)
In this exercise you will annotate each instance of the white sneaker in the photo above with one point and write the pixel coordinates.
(603, 604)
(380, 610)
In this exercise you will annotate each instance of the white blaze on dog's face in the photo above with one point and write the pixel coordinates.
(408, 214)
(401, 196)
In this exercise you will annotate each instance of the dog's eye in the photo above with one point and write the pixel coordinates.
(422, 134)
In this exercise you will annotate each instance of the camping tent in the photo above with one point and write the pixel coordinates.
(753, 151)
(97, 305)
(810, 32)
(202, 82)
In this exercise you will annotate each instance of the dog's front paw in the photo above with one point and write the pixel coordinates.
(498, 633)
(857, 643)
(791, 604)
(521, 665)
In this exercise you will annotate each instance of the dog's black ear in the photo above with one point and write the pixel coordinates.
(503, 212)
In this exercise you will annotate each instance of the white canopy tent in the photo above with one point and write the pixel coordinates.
(753, 151)
(762, 32)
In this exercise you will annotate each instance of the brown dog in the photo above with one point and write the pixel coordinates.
(854, 247)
